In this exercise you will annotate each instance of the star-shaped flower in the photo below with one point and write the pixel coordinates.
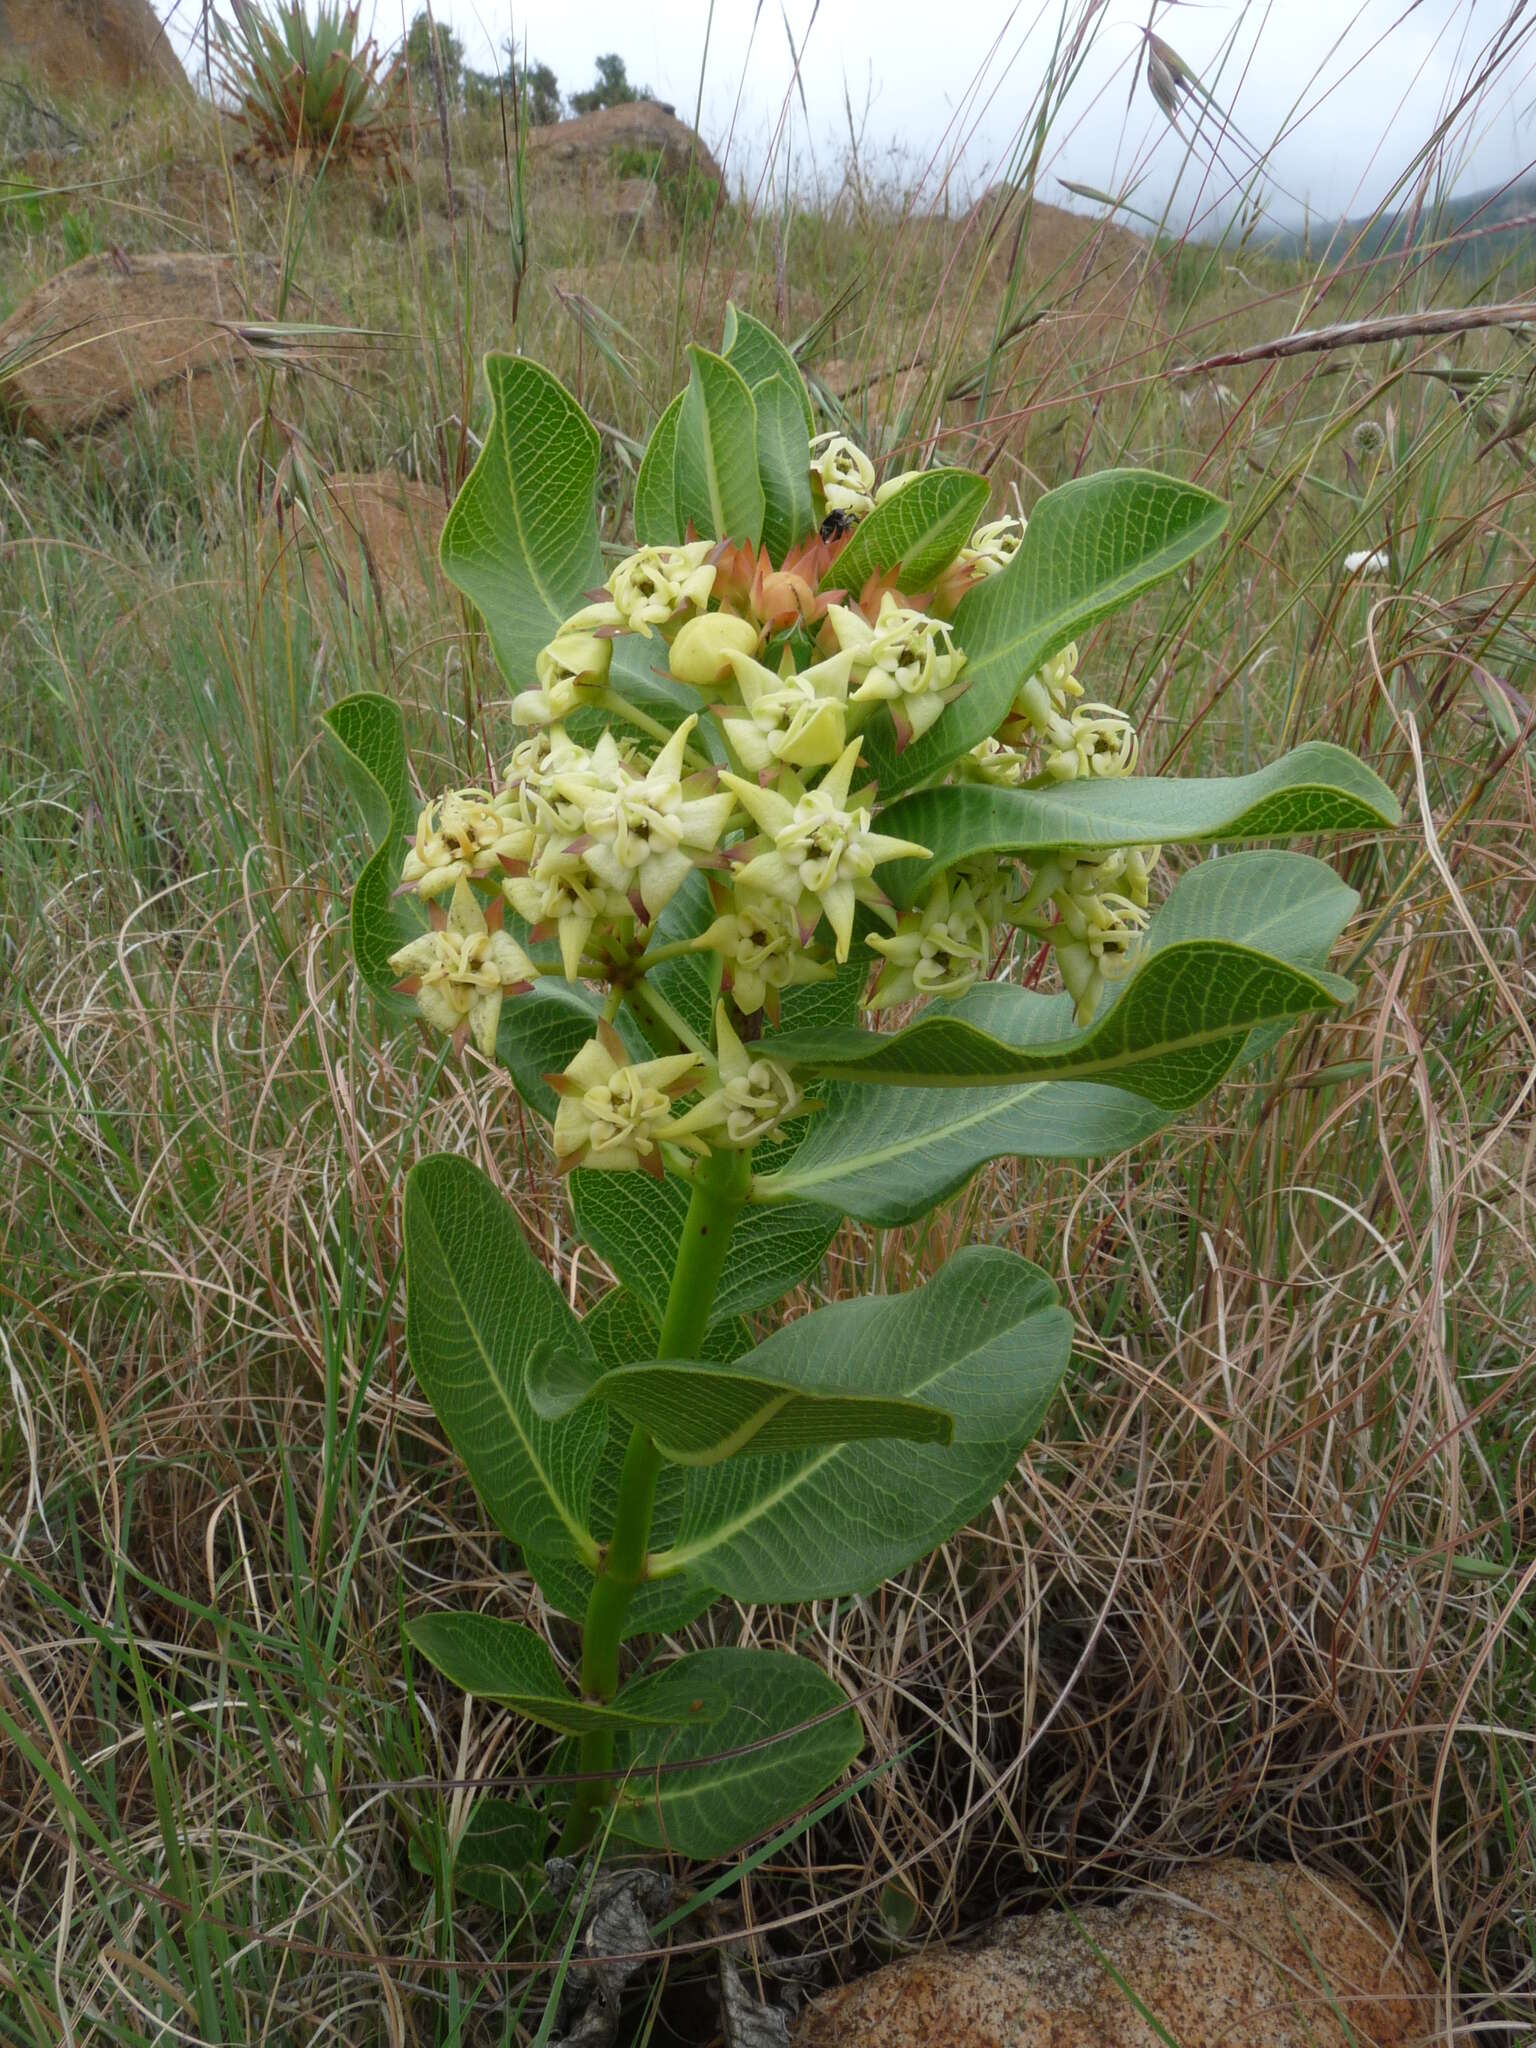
(572, 669)
(756, 1094)
(461, 969)
(654, 586)
(762, 944)
(905, 659)
(615, 1113)
(463, 834)
(649, 827)
(940, 949)
(842, 476)
(795, 717)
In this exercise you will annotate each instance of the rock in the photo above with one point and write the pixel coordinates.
(602, 141)
(381, 528)
(1083, 263)
(1225, 1955)
(114, 329)
(70, 44)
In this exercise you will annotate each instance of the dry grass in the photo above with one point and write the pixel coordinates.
(1261, 1583)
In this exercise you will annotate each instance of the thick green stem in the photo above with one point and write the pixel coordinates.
(719, 1192)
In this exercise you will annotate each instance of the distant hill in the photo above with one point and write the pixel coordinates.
(1479, 234)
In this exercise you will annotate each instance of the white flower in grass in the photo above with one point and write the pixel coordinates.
(1367, 562)
(993, 546)
(464, 834)
(756, 1094)
(798, 718)
(762, 944)
(842, 476)
(461, 969)
(655, 586)
(939, 949)
(560, 897)
(905, 659)
(1044, 700)
(1098, 740)
(650, 826)
(819, 845)
(572, 669)
(615, 1113)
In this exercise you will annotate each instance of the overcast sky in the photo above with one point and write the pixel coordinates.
(1345, 92)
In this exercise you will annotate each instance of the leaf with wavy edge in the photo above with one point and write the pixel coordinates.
(922, 527)
(503, 1661)
(369, 737)
(985, 1341)
(718, 487)
(521, 538)
(1219, 960)
(1315, 788)
(656, 518)
(699, 1414)
(1090, 546)
(477, 1304)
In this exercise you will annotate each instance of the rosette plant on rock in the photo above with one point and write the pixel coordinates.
(789, 804)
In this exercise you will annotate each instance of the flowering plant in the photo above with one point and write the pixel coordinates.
(813, 757)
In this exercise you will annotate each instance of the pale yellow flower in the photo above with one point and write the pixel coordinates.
(820, 845)
(905, 659)
(560, 895)
(615, 1113)
(993, 546)
(463, 834)
(842, 476)
(461, 969)
(762, 946)
(571, 670)
(991, 761)
(1101, 908)
(939, 949)
(795, 717)
(893, 485)
(704, 647)
(1044, 700)
(756, 1094)
(649, 827)
(1098, 741)
(654, 586)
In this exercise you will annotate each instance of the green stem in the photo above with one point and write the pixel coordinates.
(719, 1193)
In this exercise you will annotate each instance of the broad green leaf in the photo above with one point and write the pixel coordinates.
(784, 468)
(498, 1858)
(514, 1666)
(887, 1155)
(1314, 788)
(757, 352)
(1214, 966)
(985, 1341)
(699, 1413)
(718, 488)
(784, 1734)
(656, 520)
(369, 737)
(923, 527)
(635, 1225)
(1090, 546)
(477, 1304)
(521, 538)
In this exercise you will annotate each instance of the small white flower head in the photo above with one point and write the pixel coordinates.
(939, 949)
(1045, 699)
(702, 651)
(819, 845)
(1368, 440)
(1098, 741)
(657, 586)
(560, 897)
(761, 943)
(650, 826)
(572, 669)
(993, 546)
(798, 718)
(463, 834)
(905, 659)
(754, 1097)
(842, 476)
(461, 969)
(1367, 562)
(615, 1113)
(895, 485)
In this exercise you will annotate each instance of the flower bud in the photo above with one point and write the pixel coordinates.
(701, 652)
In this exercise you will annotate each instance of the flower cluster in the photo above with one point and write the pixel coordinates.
(731, 743)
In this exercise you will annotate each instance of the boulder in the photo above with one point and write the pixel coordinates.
(381, 529)
(1225, 1955)
(92, 342)
(1081, 262)
(600, 143)
(70, 44)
